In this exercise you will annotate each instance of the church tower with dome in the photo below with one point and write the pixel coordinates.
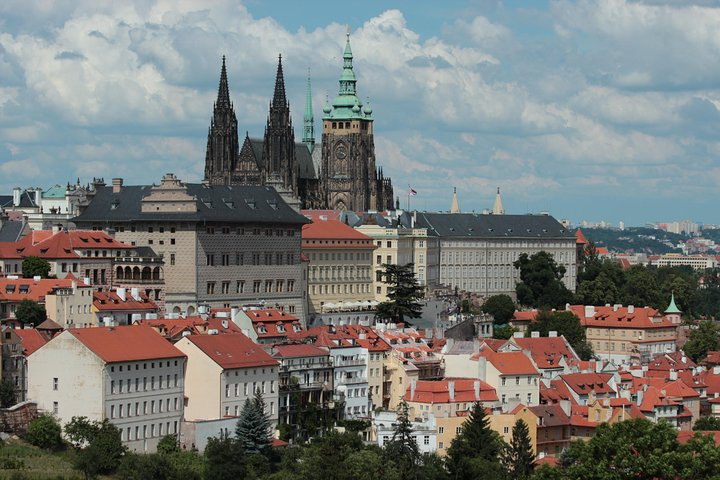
(350, 179)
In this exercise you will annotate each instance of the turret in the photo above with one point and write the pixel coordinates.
(308, 120)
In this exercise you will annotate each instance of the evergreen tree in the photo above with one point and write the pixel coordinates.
(35, 267)
(402, 448)
(518, 456)
(253, 426)
(475, 451)
(7, 393)
(224, 459)
(403, 294)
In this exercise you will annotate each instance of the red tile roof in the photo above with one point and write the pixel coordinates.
(552, 415)
(174, 327)
(298, 350)
(438, 391)
(654, 397)
(233, 350)
(580, 238)
(275, 322)
(17, 290)
(608, 317)
(64, 244)
(31, 339)
(525, 316)
(507, 363)
(111, 301)
(333, 230)
(546, 352)
(126, 343)
(584, 383)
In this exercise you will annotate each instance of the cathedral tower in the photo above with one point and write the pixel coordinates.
(349, 177)
(279, 142)
(222, 143)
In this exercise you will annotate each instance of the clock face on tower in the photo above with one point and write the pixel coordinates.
(340, 151)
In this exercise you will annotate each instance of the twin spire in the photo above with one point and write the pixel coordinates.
(223, 99)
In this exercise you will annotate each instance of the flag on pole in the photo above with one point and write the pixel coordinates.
(411, 192)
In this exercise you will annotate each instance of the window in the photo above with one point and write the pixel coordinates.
(506, 430)
(210, 259)
(210, 288)
(458, 430)
(225, 287)
(172, 259)
(240, 286)
(426, 440)
(56, 408)
(55, 383)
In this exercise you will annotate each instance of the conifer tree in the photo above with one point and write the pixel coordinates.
(253, 426)
(475, 452)
(402, 448)
(518, 456)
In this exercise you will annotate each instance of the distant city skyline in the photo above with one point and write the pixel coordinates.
(594, 109)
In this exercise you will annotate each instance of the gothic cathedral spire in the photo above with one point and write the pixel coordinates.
(222, 143)
(308, 120)
(279, 142)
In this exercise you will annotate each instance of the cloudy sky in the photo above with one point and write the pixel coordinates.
(595, 110)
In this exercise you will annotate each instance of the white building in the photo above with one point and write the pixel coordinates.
(130, 375)
(424, 430)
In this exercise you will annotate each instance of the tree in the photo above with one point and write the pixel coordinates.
(707, 424)
(641, 288)
(402, 447)
(7, 393)
(703, 339)
(566, 324)
(30, 313)
(224, 459)
(504, 332)
(44, 432)
(600, 291)
(403, 294)
(35, 267)
(79, 431)
(474, 453)
(253, 426)
(168, 445)
(518, 456)
(104, 452)
(501, 307)
(541, 283)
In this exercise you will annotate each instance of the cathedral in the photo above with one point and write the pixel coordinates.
(339, 174)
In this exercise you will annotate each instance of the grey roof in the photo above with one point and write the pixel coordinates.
(11, 231)
(490, 226)
(216, 203)
(258, 145)
(306, 167)
(27, 200)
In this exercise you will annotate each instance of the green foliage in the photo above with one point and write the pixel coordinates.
(707, 424)
(600, 291)
(639, 449)
(172, 466)
(356, 425)
(402, 448)
(44, 432)
(104, 451)
(703, 339)
(564, 323)
(635, 239)
(501, 307)
(35, 267)
(475, 451)
(79, 431)
(541, 283)
(504, 332)
(168, 445)
(7, 393)
(403, 294)
(224, 459)
(253, 426)
(518, 457)
(642, 289)
(30, 313)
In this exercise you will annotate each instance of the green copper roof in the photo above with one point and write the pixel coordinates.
(347, 105)
(56, 191)
(308, 120)
(672, 308)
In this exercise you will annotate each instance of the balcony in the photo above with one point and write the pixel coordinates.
(350, 363)
(352, 380)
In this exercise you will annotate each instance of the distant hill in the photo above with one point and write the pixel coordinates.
(635, 240)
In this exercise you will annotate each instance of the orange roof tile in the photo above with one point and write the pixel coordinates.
(438, 391)
(64, 244)
(608, 317)
(31, 339)
(333, 230)
(233, 350)
(546, 352)
(507, 363)
(298, 350)
(126, 343)
(17, 290)
(580, 238)
(584, 383)
(111, 301)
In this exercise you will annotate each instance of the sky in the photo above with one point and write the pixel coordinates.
(588, 109)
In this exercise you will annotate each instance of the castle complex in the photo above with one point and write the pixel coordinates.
(339, 174)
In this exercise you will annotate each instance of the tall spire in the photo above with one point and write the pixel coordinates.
(498, 208)
(672, 308)
(308, 120)
(279, 99)
(223, 99)
(347, 105)
(455, 207)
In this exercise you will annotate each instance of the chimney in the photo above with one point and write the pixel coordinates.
(631, 308)
(16, 196)
(482, 368)
(476, 385)
(716, 370)
(534, 334)
(640, 397)
(616, 307)
(56, 228)
(451, 390)
(589, 311)
(135, 292)
(121, 293)
(552, 333)
(413, 384)
(673, 374)
(518, 335)
(225, 324)
(565, 405)
(38, 196)
(117, 185)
